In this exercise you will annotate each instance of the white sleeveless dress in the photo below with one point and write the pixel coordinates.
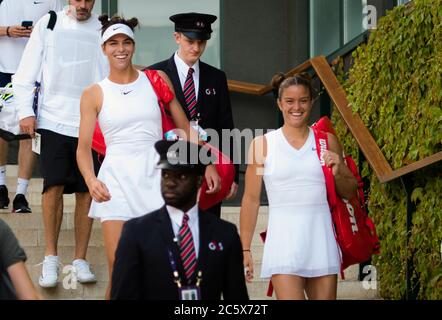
(300, 238)
(130, 120)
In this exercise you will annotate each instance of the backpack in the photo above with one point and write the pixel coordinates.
(223, 164)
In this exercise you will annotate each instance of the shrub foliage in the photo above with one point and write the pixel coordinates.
(395, 84)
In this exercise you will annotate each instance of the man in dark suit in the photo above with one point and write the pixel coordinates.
(179, 252)
(200, 88)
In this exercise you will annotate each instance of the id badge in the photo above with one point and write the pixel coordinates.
(189, 293)
(36, 143)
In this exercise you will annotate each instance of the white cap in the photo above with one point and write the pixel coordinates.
(118, 28)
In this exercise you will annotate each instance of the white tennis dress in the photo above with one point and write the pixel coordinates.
(300, 237)
(130, 120)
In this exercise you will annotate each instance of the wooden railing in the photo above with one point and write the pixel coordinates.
(260, 89)
(365, 140)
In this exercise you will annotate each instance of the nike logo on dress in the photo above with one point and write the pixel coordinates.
(35, 2)
(68, 64)
(127, 92)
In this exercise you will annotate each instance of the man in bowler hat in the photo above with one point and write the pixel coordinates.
(200, 88)
(179, 252)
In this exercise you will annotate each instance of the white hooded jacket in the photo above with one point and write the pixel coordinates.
(68, 59)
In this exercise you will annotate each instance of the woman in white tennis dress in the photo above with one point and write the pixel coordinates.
(126, 106)
(301, 255)
(129, 121)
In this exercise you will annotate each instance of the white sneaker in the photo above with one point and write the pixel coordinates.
(83, 271)
(49, 272)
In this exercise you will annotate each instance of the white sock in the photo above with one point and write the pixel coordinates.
(2, 175)
(22, 186)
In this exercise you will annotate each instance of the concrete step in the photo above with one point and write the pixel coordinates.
(351, 273)
(94, 291)
(34, 220)
(100, 271)
(12, 170)
(232, 210)
(36, 238)
(34, 198)
(261, 223)
(95, 255)
(347, 290)
(35, 184)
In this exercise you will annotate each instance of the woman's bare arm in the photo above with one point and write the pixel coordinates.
(252, 192)
(90, 106)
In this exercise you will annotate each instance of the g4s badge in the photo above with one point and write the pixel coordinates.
(210, 91)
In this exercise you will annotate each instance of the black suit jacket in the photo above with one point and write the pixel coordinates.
(213, 102)
(142, 268)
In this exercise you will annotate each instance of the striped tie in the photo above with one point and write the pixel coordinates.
(187, 248)
(189, 93)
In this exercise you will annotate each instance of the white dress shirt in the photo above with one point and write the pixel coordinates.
(183, 70)
(176, 215)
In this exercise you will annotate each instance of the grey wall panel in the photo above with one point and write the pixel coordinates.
(254, 39)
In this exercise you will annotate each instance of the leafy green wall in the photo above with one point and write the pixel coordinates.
(395, 84)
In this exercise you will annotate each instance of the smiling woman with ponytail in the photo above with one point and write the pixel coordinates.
(301, 256)
(127, 110)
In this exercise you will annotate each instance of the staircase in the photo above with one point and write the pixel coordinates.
(29, 230)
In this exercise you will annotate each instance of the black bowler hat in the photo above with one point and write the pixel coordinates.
(180, 155)
(196, 26)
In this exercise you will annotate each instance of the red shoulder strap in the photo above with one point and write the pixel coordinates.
(321, 139)
(160, 86)
(164, 95)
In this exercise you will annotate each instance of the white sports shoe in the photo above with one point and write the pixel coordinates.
(83, 271)
(49, 272)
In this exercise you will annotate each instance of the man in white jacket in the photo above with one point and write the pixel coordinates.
(16, 16)
(70, 58)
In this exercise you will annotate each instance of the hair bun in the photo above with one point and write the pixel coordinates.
(133, 22)
(277, 80)
(106, 22)
(304, 75)
(104, 19)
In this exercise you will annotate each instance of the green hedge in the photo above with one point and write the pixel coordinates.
(395, 84)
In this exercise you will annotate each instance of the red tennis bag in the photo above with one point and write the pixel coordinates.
(223, 164)
(355, 232)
